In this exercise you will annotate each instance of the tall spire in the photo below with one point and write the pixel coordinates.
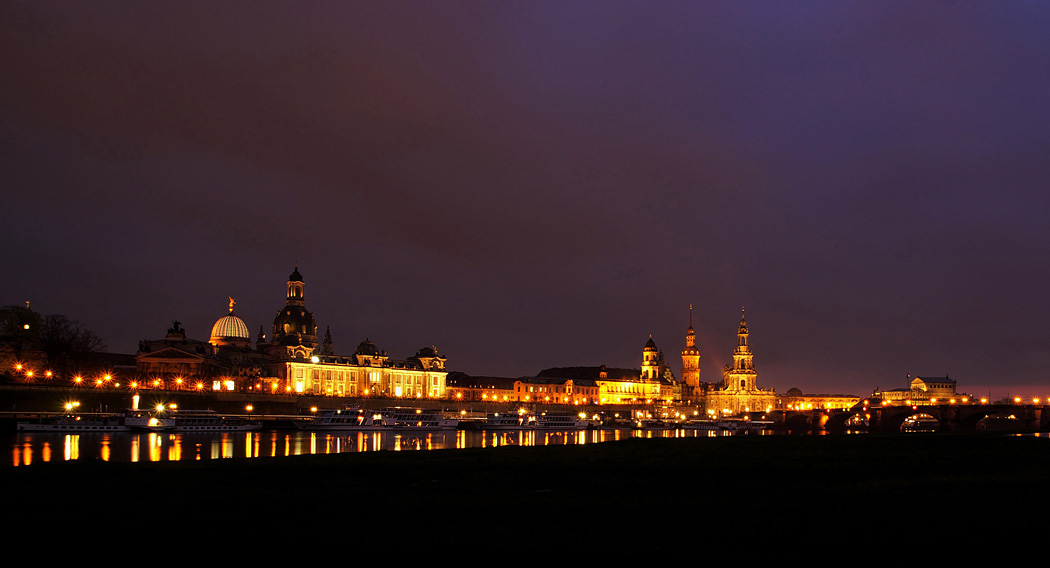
(691, 360)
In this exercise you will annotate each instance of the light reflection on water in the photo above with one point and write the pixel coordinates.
(30, 448)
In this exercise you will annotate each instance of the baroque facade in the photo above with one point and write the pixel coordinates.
(291, 361)
(923, 390)
(738, 392)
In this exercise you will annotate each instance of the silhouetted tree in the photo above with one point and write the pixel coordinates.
(65, 343)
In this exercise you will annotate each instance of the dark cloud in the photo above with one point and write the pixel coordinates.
(540, 184)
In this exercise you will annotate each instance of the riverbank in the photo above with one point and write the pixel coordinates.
(652, 492)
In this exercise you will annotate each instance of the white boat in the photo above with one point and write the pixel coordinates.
(702, 424)
(75, 423)
(353, 418)
(530, 421)
(742, 425)
(144, 420)
(211, 421)
(506, 421)
(128, 421)
(417, 419)
(547, 421)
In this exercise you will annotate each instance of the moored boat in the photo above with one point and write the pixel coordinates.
(211, 421)
(353, 418)
(75, 423)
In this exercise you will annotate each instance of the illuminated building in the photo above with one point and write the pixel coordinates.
(655, 383)
(291, 361)
(691, 385)
(794, 399)
(298, 364)
(230, 331)
(739, 390)
(553, 390)
(923, 390)
(294, 331)
(221, 363)
(369, 372)
(176, 356)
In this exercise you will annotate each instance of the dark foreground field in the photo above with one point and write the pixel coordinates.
(637, 494)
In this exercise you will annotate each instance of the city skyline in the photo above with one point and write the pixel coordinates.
(542, 185)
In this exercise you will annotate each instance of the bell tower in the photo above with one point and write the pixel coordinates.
(650, 360)
(691, 358)
(742, 376)
(295, 288)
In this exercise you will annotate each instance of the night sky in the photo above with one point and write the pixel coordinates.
(537, 184)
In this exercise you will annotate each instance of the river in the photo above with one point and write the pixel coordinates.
(31, 448)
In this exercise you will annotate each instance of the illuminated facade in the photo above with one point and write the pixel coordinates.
(739, 390)
(368, 372)
(297, 364)
(691, 386)
(523, 389)
(655, 383)
(225, 362)
(923, 390)
(794, 399)
(291, 361)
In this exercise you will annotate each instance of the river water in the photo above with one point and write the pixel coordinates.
(30, 448)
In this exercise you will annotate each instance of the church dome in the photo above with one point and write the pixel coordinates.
(367, 348)
(650, 345)
(295, 276)
(229, 329)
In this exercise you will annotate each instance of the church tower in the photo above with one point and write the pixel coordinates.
(742, 376)
(650, 360)
(691, 359)
(294, 329)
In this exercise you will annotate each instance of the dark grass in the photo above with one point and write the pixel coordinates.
(845, 489)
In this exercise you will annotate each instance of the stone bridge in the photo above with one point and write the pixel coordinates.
(951, 417)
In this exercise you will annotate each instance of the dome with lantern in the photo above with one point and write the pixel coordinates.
(230, 331)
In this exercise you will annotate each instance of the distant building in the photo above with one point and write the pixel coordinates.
(692, 388)
(291, 361)
(225, 362)
(554, 390)
(923, 390)
(794, 399)
(738, 391)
